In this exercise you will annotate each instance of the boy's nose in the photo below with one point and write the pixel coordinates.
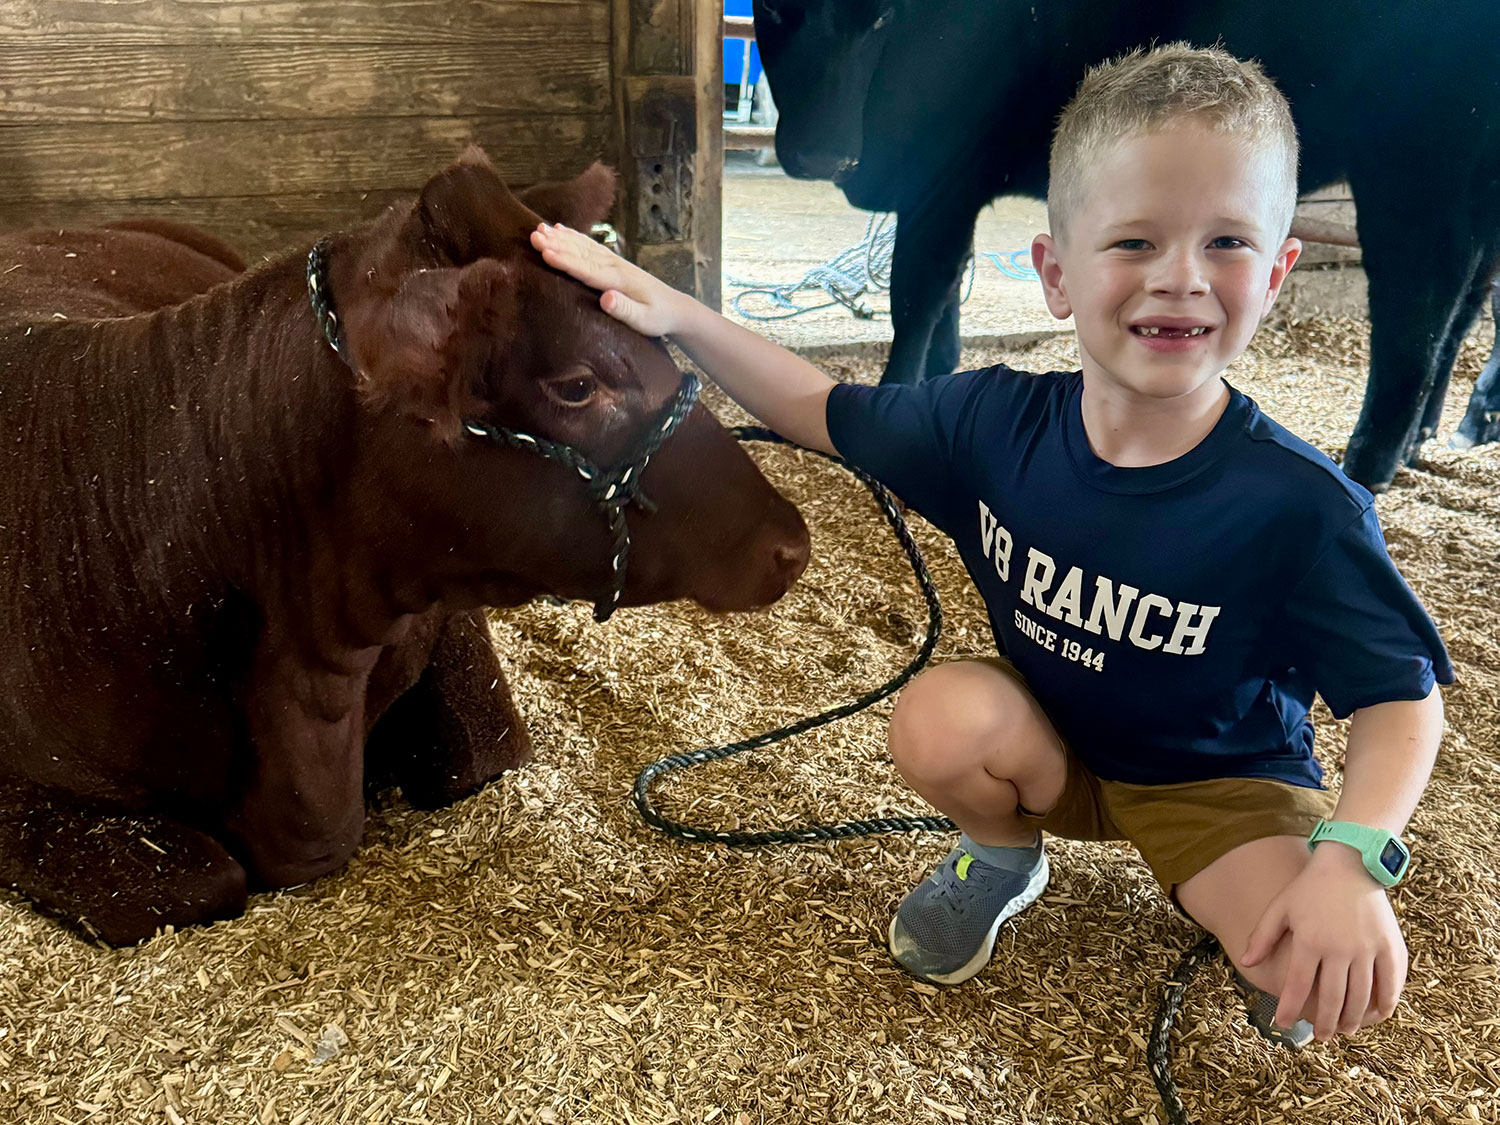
(1179, 274)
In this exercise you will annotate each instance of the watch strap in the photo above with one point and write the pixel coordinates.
(1384, 855)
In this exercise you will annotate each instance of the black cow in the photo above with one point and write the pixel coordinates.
(932, 108)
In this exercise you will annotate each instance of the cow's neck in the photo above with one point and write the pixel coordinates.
(220, 434)
(344, 574)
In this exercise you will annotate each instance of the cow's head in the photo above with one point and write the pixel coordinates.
(819, 56)
(452, 323)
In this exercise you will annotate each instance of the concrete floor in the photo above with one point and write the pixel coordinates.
(777, 228)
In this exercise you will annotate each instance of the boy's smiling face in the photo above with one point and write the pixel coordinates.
(1169, 263)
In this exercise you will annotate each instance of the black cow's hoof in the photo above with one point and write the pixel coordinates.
(1373, 468)
(1479, 427)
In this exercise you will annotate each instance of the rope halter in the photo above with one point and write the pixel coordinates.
(612, 489)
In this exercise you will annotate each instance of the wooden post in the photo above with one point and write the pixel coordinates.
(669, 153)
(708, 229)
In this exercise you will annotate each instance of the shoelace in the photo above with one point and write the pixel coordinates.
(958, 891)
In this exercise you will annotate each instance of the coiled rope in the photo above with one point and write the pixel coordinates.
(844, 279)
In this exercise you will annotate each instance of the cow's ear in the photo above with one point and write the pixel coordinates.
(477, 156)
(423, 348)
(469, 213)
(580, 202)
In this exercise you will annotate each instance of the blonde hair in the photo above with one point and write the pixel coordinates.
(1151, 91)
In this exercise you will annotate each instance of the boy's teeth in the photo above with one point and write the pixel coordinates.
(1155, 330)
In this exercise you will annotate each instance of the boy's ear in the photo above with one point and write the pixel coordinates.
(578, 203)
(423, 348)
(1048, 267)
(1285, 259)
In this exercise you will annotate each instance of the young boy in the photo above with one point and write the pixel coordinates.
(1171, 575)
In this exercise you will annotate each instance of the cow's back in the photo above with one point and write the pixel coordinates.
(133, 267)
(1375, 86)
(92, 498)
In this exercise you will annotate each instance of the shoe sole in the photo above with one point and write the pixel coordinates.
(974, 964)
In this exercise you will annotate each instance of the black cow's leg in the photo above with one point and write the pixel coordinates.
(1481, 422)
(932, 244)
(1414, 299)
(458, 727)
(112, 873)
(943, 349)
(1463, 320)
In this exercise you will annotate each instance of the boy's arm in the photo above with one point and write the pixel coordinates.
(1389, 758)
(1342, 931)
(785, 392)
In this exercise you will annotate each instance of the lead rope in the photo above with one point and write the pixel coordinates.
(1158, 1048)
(647, 777)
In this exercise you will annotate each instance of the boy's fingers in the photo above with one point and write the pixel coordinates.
(575, 254)
(1357, 998)
(1389, 977)
(1295, 989)
(1264, 937)
(1333, 984)
(622, 308)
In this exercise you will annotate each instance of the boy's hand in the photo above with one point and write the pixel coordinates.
(629, 294)
(1341, 935)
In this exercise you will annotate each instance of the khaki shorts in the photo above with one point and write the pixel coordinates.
(1179, 829)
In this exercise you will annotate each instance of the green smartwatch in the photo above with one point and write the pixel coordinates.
(1385, 856)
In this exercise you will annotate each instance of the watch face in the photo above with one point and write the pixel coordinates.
(1393, 857)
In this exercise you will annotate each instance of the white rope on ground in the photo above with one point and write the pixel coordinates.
(850, 274)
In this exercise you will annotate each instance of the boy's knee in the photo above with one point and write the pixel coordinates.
(951, 718)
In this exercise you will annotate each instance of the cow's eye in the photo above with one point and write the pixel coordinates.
(770, 12)
(575, 387)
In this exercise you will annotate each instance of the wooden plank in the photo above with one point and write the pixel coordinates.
(657, 44)
(749, 136)
(256, 225)
(531, 71)
(737, 27)
(661, 115)
(708, 181)
(1334, 193)
(162, 161)
(672, 262)
(283, 21)
(1325, 222)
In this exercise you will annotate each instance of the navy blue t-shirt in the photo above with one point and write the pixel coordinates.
(1175, 620)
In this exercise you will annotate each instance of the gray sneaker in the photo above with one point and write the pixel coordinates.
(1261, 1014)
(944, 931)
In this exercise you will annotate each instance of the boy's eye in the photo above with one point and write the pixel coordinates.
(1228, 242)
(1132, 244)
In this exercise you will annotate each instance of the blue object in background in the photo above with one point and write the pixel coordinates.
(734, 49)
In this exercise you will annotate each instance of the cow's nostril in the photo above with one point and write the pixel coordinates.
(791, 560)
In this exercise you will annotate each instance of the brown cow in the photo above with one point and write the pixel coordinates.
(228, 549)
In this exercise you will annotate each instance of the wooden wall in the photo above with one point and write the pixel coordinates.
(269, 121)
